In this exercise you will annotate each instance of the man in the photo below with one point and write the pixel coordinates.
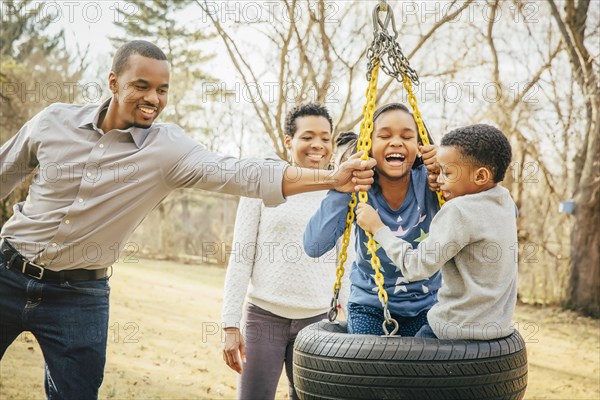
(101, 171)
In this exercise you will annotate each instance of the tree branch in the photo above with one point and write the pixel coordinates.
(239, 62)
(490, 40)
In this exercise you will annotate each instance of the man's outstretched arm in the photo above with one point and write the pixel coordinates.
(269, 179)
(353, 175)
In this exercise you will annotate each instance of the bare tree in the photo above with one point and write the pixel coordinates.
(387, 92)
(325, 56)
(511, 113)
(304, 67)
(551, 121)
(585, 239)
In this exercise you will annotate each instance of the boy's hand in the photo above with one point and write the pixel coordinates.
(367, 218)
(355, 175)
(429, 159)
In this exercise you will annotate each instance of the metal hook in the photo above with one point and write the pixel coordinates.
(332, 314)
(382, 6)
(333, 311)
(389, 321)
(392, 322)
(377, 23)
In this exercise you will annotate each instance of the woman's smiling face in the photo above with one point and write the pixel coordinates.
(311, 146)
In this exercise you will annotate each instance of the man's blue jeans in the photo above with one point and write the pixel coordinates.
(69, 321)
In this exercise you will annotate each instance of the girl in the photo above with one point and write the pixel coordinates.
(288, 289)
(406, 205)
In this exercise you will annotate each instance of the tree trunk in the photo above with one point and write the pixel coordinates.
(583, 293)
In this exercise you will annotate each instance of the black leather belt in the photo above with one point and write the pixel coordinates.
(17, 262)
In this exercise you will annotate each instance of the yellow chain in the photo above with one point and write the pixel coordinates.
(412, 100)
(364, 145)
(345, 242)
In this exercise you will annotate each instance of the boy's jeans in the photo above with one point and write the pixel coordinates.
(69, 321)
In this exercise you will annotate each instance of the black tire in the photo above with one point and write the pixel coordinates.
(331, 364)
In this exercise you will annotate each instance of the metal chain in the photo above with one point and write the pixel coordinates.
(333, 312)
(364, 145)
(388, 320)
(412, 100)
(386, 51)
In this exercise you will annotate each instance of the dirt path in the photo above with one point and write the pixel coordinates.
(165, 343)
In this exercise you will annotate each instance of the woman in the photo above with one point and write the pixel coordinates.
(286, 290)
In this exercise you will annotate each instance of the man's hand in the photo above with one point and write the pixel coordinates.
(234, 349)
(355, 175)
(433, 170)
(367, 218)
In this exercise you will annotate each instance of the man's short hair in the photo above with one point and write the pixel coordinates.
(141, 47)
(483, 145)
(305, 110)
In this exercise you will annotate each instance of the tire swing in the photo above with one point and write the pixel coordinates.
(329, 363)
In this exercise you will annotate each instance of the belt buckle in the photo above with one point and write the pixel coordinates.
(41, 274)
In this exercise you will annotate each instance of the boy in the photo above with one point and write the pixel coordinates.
(472, 239)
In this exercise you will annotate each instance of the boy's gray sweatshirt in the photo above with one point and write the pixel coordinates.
(473, 240)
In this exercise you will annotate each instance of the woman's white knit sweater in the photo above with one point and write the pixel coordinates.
(268, 263)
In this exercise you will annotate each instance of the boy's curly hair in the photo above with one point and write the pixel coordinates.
(483, 145)
(305, 110)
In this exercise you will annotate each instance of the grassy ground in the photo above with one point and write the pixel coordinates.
(165, 343)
